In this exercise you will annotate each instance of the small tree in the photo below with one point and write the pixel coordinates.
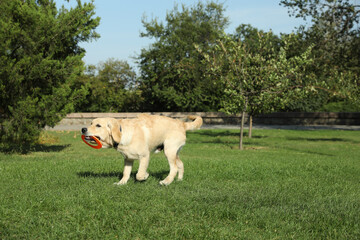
(40, 58)
(252, 39)
(258, 83)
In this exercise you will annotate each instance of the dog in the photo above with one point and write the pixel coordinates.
(136, 138)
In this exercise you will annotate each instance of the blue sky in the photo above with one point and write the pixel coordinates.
(121, 25)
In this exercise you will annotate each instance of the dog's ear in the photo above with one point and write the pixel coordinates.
(115, 130)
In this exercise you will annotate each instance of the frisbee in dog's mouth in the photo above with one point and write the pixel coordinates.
(91, 141)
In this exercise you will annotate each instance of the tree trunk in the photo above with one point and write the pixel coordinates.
(242, 130)
(242, 125)
(250, 126)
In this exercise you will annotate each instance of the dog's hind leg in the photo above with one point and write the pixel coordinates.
(180, 166)
(175, 163)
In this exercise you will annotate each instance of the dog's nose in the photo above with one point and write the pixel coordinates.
(84, 130)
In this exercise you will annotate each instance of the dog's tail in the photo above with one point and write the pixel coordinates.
(195, 124)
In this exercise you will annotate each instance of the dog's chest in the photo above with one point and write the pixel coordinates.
(129, 152)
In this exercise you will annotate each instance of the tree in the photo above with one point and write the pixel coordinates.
(250, 37)
(118, 73)
(255, 82)
(171, 69)
(335, 34)
(253, 41)
(40, 58)
(112, 87)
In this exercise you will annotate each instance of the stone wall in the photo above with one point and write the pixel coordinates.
(290, 118)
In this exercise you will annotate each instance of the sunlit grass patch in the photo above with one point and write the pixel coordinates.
(284, 185)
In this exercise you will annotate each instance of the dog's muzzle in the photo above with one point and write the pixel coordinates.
(87, 136)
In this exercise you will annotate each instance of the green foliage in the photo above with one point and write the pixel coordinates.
(40, 59)
(112, 87)
(174, 77)
(340, 106)
(251, 38)
(262, 80)
(259, 81)
(336, 38)
(171, 69)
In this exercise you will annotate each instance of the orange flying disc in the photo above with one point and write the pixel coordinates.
(89, 138)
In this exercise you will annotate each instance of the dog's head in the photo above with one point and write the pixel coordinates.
(107, 130)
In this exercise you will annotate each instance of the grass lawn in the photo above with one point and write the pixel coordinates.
(284, 185)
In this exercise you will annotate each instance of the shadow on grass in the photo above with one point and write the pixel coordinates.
(99, 175)
(49, 148)
(26, 149)
(222, 133)
(212, 133)
(308, 152)
(320, 139)
(227, 138)
(227, 133)
(158, 175)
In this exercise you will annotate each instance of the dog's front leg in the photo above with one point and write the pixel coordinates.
(127, 171)
(142, 173)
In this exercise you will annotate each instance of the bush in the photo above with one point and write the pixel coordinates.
(340, 106)
(40, 59)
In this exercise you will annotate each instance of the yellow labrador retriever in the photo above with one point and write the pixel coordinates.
(136, 138)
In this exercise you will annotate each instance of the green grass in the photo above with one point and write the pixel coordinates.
(284, 185)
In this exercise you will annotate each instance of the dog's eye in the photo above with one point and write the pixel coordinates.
(98, 125)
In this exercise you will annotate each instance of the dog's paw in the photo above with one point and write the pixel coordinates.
(164, 183)
(121, 182)
(142, 177)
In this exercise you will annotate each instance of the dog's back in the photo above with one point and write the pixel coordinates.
(167, 122)
(157, 129)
